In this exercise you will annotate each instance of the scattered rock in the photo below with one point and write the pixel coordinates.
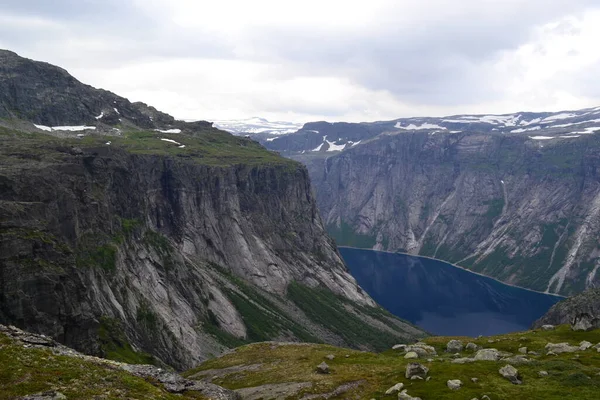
(323, 368)
(403, 395)
(487, 355)
(428, 379)
(464, 360)
(430, 360)
(471, 347)
(454, 346)
(523, 350)
(395, 389)
(399, 347)
(474, 380)
(520, 359)
(485, 397)
(559, 348)
(416, 369)
(585, 345)
(416, 378)
(551, 353)
(422, 349)
(548, 327)
(511, 373)
(454, 384)
(584, 322)
(543, 373)
(50, 395)
(596, 346)
(533, 353)
(330, 357)
(411, 355)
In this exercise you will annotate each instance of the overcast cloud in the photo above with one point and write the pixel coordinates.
(328, 59)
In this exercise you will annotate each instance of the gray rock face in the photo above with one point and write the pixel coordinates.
(416, 369)
(582, 312)
(509, 372)
(456, 197)
(161, 248)
(454, 346)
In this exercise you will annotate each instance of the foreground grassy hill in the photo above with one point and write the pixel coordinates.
(288, 371)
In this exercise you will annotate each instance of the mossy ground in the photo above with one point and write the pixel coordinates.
(570, 374)
(26, 371)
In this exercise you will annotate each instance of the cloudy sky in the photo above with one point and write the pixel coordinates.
(338, 60)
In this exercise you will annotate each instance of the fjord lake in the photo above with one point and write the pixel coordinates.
(442, 298)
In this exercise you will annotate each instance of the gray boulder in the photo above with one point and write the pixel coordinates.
(523, 350)
(395, 389)
(416, 369)
(471, 347)
(403, 395)
(411, 355)
(323, 368)
(511, 373)
(454, 346)
(487, 355)
(585, 345)
(454, 384)
(558, 348)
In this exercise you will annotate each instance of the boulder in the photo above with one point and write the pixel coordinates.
(416, 369)
(585, 345)
(454, 384)
(454, 346)
(463, 360)
(422, 349)
(558, 348)
(323, 368)
(511, 373)
(471, 347)
(548, 327)
(50, 395)
(487, 355)
(395, 389)
(543, 373)
(399, 347)
(523, 350)
(411, 355)
(474, 380)
(330, 357)
(403, 395)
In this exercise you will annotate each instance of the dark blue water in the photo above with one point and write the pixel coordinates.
(443, 299)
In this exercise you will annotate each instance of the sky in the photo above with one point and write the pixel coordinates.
(328, 60)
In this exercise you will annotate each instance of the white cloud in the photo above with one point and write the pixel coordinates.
(325, 59)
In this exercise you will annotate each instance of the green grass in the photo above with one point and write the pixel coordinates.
(27, 371)
(344, 235)
(114, 344)
(326, 309)
(576, 378)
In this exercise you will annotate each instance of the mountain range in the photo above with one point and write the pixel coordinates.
(128, 234)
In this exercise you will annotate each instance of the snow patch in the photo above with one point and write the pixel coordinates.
(100, 116)
(319, 147)
(335, 147)
(73, 128)
(570, 136)
(168, 130)
(541, 137)
(182, 146)
(108, 143)
(43, 127)
(559, 117)
(413, 127)
(521, 130)
(170, 141)
(117, 111)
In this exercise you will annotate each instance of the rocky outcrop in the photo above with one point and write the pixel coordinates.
(582, 312)
(521, 210)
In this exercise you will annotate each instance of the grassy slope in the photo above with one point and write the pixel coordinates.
(209, 147)
(26, 371)
(568, 375)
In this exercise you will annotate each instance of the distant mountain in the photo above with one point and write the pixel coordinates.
(335, 137)
(257, 126)
(515, 196)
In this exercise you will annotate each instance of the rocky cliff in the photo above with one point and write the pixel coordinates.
(582, 312)
(519, 208)
(168, 245)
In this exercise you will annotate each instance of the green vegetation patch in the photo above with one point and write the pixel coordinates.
(115, 346)
(344, 235)
(572, 375)
(326, 309)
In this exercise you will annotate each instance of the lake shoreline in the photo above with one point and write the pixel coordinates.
(456, 266)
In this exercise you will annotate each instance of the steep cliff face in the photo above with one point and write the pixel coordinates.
(181, 257)
(582, 312)
(522, 210)
(137, 242)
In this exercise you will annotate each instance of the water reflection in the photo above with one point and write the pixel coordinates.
(443, 299)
